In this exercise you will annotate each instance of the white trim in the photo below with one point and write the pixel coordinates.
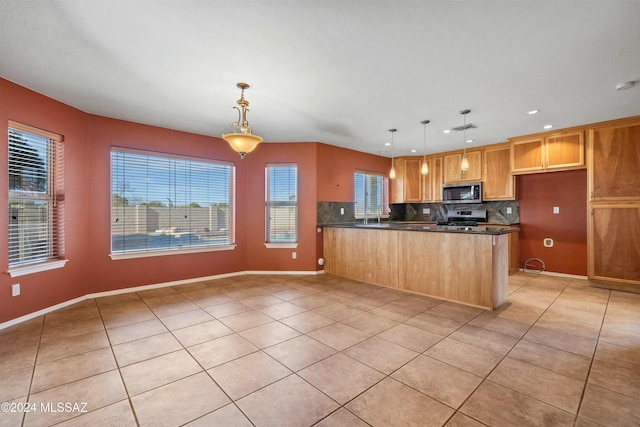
(552, 273)
(176, 251)
(270, 245)
(36, 268)
(46, 310)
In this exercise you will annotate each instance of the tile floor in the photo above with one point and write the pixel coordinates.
(323, 350)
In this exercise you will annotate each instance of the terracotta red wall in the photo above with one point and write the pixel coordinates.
(46, 288)
(336, 167)
(538, 194)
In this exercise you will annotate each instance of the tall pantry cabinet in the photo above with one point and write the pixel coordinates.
(613, 158)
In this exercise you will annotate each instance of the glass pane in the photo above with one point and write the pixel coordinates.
(28, 162)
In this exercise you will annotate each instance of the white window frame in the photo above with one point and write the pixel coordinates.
(170, 229)
(52, 196)
(367, 211)
(270, 242)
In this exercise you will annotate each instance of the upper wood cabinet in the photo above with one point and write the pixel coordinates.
(412, 180)
(498, 181)
(432, 182)
(553, 151)
(452, 171)
(614, 162)
(397, 184)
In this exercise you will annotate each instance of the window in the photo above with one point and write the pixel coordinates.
(163, 202)
(371, 195)
(36, 196)
(281, 204)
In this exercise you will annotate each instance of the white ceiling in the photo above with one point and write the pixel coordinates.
(340, 72)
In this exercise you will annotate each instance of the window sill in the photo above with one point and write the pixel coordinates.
(291, 245)
(130, 255)
(36, 268)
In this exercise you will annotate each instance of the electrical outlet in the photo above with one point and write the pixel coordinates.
(341, 211)
(509, 211)
(426, 211)
(548, 242)
(15, 290)
(556, 210)
(294, 255)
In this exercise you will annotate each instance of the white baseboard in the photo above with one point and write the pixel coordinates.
(552, 273)
(64, 304)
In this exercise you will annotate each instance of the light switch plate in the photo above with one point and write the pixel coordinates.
(509, 211)
(15, 290)
(341, 211)
(556, 209)
(426, 211)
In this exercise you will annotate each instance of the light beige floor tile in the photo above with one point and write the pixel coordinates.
(515, 409)
(62, 371)
(438, 380)
(435, 324)
(196, 334)
(221, 350)
(561, 340)
(14, 384)
(300, 352)
(227, 416)
(179, 402)
(341, 377)
(621, 338)
(465, 356)
(117, 300)
(70, 346)
(311, 302)
(117, 414)
(227, 309)
(97, 392)
(250, 319)
(261, 301)
(339, 336)
(609, 408)
(269, 334)
(562, 362)
(386, 295)
(72, 329)
(461, 420)
(307, 322)
(617, 355)
(413, 338)
(615, 378)
(14, 358)
(370, 323)
(145, 348)
(485, 338)
(84, 310)
(248, 374)
(161, 370)
(116, 315)
(210, 300)
(453, 311)
(552, 388)
(338, 311)
(188, 318)
(494, 322)
(282, 310)
(342, 418)
(13, 418)
(391, 403)
(136, 331)
(287, 403)
(381, 354)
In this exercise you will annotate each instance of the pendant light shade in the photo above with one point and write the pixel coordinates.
(425, 168)
(392, 171)
(242, 140)
(464, 164)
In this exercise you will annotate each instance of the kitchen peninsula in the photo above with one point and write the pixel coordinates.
(468, 265)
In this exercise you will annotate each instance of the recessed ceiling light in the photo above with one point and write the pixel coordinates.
(387, 143)
(532, 112)
(446, 131)
(413, 151)
(548, 126)
(469, 141)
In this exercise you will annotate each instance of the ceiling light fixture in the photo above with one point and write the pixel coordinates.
(532, 112)
(446, 131)
(425, 168)
(547, 126)
(392, 171)
(241, 140)
(464, 164)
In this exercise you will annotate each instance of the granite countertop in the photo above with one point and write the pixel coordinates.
(490, 229)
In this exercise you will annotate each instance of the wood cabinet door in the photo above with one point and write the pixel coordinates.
(614, 162)
(496, 173)
(614, 233)
(475, 166)
(412, 180)
(427, 182)
(436, 176)
(451, 168)
(397, 184)
(527, 155)
(564, 151)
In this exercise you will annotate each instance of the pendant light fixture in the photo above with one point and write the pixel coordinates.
(392, 171)
(464, 164)
(242, 140)
(425, 168)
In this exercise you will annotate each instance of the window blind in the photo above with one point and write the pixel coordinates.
(161, 202)
(281, 203)
(35, 195)
(370, 194)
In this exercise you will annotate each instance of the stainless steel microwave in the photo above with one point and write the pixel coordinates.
(468, 192)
